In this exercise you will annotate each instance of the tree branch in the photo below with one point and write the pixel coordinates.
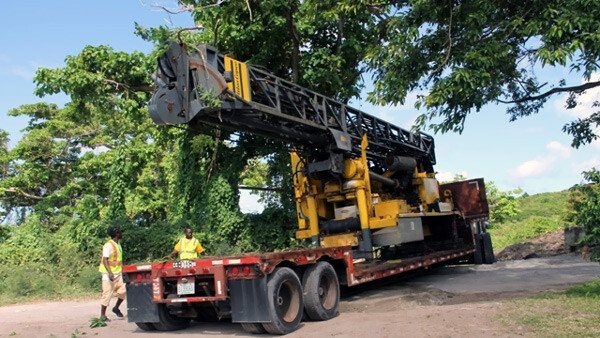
(22, 193)
(582, 87)
(118, 85)
(449, 49)
(295, 43)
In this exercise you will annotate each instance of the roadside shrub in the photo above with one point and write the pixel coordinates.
(88, 279)
(31, 242)
(585, 206)
(28, 280)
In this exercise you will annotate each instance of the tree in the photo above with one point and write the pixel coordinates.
(585, 206)
(466, 54)
(503, 204)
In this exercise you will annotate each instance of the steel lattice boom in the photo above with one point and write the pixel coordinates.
(254, 100)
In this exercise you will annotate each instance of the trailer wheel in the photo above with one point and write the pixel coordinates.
(478, 254)
(321, 291)
(145, 326)
(257, 328)
(284, 300)
(168, 322)
(488, 250)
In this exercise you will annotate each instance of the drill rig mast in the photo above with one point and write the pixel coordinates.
(358, 180)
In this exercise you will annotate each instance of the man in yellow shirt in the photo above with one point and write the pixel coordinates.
(111, 267)
(188, 247)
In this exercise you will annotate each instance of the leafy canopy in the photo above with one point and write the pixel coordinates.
(466, 54)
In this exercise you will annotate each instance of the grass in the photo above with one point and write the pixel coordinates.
(540, 214)
(573, 313)
(36, 282)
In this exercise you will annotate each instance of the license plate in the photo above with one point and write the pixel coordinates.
(186, 286)
(183, 264)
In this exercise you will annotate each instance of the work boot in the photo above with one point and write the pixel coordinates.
(117, 312)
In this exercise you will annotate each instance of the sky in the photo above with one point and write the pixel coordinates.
(531, 153)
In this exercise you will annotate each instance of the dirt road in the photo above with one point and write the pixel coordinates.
(461, 301)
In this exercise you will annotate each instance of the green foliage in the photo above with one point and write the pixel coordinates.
(587, 290)
(503, 204)
(31, 242)
(96, 322)
(552, 205)
(255, 173)
(27, 280)
(319, 44)
(585, 205)
(147, 243)
(270, 230)
(467, 54)
(538, 214)
(513, 232)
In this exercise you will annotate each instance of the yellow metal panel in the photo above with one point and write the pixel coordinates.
(339, 240)
(240, 84)
(390, 208)
(378, 223)
(387, 209)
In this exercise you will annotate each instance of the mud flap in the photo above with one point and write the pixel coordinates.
(140, 308)
(249, 300)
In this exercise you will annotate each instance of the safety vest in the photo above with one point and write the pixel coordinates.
(115, 260)
(187, 249)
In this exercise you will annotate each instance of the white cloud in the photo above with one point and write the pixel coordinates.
(447, 176)
(540, 165)
(556, 148)
(580, 167)
(530, 169)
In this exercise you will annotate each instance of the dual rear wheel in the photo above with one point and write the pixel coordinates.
(318, 295)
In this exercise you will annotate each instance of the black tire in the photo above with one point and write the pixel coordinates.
(146, 326)
(488, 250)
(321, 291)
(478, 254)
(168, 322)
(256, 328)
(284, 300)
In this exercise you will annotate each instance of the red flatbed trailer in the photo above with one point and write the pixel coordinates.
(237, 286)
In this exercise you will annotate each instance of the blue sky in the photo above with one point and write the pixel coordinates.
(532, 153)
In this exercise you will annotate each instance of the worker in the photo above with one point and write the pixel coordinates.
(188, 247)
(111, 267)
